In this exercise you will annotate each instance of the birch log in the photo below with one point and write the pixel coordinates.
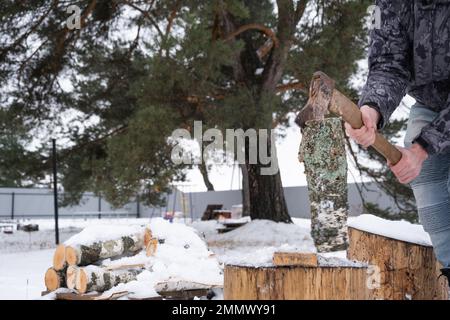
(83, 255)
(93, 278)
(55, 279)
(323, 152)
(71, 276)
(59, 258)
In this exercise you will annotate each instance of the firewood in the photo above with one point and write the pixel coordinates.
(295, 259)
(151, 247)
(83, 255)
(323, 152)
(54, 279)
(93, 278)
(59, 258)
(71, 276)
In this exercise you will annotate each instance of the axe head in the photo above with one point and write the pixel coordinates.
(320, 94)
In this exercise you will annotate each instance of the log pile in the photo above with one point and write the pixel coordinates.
(79, 266)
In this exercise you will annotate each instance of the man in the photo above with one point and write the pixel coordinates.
(410, 53)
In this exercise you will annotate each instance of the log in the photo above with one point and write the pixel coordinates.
(323, 152)
(300, 259)
(54, 279)
(71, 276)
(83, 255)
(151, 247)
(59, 258)
(403, 270)
(93, 278)
(295, 283)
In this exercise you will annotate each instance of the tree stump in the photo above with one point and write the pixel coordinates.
(402, 271)
(295, 283)
(323, 152)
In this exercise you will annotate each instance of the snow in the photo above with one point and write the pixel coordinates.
(399, 230)
(22, 275)
(255, 243)
(98, 233)
(193, 252)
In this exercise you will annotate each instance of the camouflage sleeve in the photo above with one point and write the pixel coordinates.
(389, 60)
(435, 137)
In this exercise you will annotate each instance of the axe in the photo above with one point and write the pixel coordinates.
(325, 99)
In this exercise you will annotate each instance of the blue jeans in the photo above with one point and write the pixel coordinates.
(432, 188)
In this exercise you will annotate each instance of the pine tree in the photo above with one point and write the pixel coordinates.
(139, 69)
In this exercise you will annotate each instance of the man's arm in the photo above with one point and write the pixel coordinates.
(435, 137)
(389, 60)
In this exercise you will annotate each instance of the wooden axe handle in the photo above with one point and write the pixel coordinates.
(351, 114)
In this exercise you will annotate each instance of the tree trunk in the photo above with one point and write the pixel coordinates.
(204, 171)
(323, 152)
(266, 195)
(245, 191)
(92, 278)
(83, 255)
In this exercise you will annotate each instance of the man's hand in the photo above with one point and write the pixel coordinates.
(409, 167)
(365, 136)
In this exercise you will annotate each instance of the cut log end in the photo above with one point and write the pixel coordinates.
(59, 258)
(71, 277)
(82, 281)
(147, 237)
(52, 279)
(71, 256)
(151, 247)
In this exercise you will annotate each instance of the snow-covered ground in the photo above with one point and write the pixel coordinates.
(25, 257)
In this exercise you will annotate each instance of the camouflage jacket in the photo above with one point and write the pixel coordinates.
(410, 53)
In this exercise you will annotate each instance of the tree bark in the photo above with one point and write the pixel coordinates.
(323, 152)
(266, 193)
(245, 191)
(93, 278)
(204, 171)
(295, 283)
(83, 255)
(401, 270)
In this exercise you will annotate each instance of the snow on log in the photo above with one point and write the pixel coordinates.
(86, 254)
(55, 279)
(59, 258)
(400, 270)
(93, 278)
(295, 283)
(323, 152)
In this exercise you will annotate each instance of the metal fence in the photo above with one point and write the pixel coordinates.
(38, 203)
